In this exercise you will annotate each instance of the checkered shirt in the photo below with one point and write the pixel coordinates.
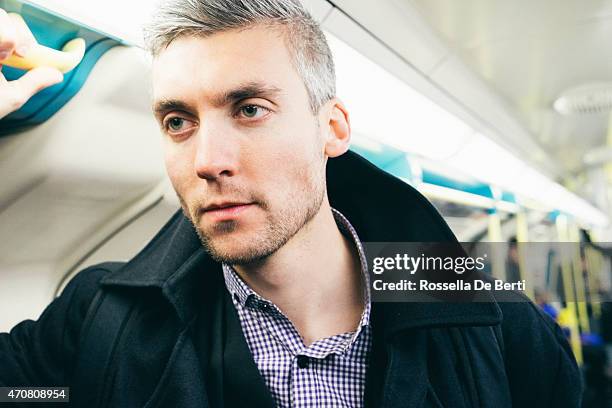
(331, 372)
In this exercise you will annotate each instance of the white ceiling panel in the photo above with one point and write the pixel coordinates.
(528, 53)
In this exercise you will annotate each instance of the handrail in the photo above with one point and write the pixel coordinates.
(40, 56)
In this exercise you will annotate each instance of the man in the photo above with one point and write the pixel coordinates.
(257, 293)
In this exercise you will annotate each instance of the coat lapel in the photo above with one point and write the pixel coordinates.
(182, 383)
(176, 263)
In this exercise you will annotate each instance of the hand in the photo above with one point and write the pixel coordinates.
(16, 37)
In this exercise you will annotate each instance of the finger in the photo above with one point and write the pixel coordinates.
(32, 82)
(8, 37)
(25, 39)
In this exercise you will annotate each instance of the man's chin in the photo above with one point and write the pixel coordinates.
(234, 255)
(228, 245)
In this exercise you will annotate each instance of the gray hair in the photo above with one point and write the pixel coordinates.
(310, 53)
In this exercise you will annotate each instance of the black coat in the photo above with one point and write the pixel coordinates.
(489, 354)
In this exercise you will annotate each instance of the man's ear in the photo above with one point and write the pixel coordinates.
(339, 128)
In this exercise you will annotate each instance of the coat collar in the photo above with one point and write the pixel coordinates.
(381, 207)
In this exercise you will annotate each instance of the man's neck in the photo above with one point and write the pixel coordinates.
(314, 279)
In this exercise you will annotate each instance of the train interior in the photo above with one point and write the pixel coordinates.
(501, 117)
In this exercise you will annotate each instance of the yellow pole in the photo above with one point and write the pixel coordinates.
(572, 321)
(593, 273)
(583, 314)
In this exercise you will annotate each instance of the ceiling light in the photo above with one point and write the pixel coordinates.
(589, 98)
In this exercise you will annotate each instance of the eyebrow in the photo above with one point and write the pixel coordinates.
(247, 90)
(163, 106)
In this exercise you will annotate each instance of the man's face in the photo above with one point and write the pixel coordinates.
(243, 150)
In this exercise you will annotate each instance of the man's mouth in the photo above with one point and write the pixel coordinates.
(223, 205)
(224, 211)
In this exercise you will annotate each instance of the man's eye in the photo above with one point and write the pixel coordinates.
(175, 124)
(253, 111)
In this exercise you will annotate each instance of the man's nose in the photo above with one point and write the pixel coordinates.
(216, 155)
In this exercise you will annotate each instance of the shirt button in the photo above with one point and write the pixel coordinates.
(302, 361)
(265, 307)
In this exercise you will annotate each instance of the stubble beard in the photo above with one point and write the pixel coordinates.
(279, 226)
